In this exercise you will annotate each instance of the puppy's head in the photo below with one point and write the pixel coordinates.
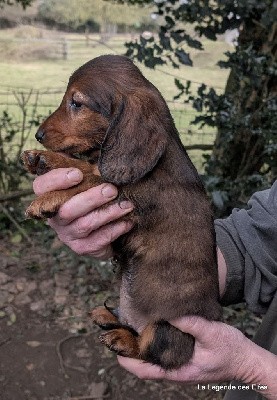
(110, 110)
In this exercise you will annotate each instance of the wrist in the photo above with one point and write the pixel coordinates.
(259, 370)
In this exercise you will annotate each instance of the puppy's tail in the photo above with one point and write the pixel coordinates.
(164, 345)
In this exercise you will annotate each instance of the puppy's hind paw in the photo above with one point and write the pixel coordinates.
(121, 341)
(104, 318)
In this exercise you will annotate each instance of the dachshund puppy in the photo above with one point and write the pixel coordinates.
(115, 126)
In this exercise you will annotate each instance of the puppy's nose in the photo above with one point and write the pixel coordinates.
(40, 135)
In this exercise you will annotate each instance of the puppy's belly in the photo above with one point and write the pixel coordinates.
(127, 314)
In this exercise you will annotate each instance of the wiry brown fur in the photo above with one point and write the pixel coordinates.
(119, 120)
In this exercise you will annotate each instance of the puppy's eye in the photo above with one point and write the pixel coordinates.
(75, 104)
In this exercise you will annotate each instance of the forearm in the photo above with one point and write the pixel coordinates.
(222, 272)
(259, 370)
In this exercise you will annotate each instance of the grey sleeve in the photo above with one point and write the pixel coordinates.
(248, 241)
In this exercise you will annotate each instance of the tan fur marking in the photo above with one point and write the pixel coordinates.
(147, 336)
(121, 341)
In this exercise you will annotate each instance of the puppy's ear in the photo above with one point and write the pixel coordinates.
(134, 142)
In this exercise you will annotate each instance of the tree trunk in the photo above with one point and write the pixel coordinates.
(242, 157)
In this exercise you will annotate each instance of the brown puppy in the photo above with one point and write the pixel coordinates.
(118, 121)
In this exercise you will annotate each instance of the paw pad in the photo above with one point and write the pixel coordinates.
(35, 162)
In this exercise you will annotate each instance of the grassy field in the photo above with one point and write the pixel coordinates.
(28, 63)
(54, 73)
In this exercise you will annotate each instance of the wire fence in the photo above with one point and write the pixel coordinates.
(72, 47)
(21, 102)
(46, 100)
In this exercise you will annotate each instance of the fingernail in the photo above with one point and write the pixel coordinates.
(109, 191)
(74, 175)
(126, 205)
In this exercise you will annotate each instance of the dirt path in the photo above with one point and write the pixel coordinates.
(48, 348)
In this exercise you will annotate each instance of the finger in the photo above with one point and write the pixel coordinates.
(97, 242)
(60, 178)
(141, 369)
(105, 254)
(85, 202)
(83, 226)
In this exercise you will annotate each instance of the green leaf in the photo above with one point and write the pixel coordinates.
(218, 198)
(169, 21)
(183, 57)
(179, 85)
(165, 41)
(16, 238)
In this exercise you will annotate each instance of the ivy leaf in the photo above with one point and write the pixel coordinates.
(208, 32)
(177, 36)
(16, 238)
(169, 21)
(143, 41)
(219, 198)
(183, 57)
(179, 85)
(165, 41)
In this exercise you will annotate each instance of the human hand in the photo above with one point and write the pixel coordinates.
(222, 353)
(219, 354)
(82, 223)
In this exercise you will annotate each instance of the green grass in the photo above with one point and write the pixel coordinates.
(55, 73)
(20, 69)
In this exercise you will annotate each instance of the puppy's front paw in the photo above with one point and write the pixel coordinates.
(45, 206)
(36, 162)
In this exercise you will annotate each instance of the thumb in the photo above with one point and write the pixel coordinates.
(196, 326)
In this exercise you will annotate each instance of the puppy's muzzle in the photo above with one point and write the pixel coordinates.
(40, 135)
